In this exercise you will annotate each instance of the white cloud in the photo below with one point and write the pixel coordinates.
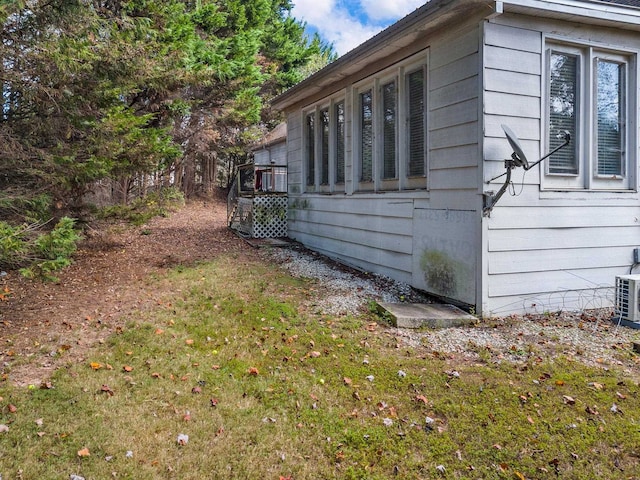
(314, 12)
(378, 10)
(348, 23)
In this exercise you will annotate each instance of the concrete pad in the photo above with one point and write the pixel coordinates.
(433, 315)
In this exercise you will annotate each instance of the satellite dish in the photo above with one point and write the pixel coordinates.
(518, 156)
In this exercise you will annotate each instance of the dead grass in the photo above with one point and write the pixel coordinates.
(266, 390)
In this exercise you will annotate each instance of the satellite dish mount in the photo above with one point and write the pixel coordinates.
(518, 159)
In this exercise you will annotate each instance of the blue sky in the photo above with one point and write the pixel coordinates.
(348, 23)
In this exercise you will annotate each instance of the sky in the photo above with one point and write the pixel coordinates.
(348, 23)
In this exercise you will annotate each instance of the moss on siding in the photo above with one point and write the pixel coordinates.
(442, 274)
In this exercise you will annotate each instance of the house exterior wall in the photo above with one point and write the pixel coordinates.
(427, 236)
(552, 246)
(275, 154)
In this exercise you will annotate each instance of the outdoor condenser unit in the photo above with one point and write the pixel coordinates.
(628, 298)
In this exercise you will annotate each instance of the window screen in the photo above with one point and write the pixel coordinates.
(389, 131)
(562, 111)
(610, 101)
(324, 155)
(339, 112)
(416, 128)
(311, 160)
(366, 129)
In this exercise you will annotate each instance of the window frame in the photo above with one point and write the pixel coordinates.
(322, 147)
(584, 141)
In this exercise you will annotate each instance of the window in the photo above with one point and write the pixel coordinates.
(339, 142)
(324, 147)
(310, 150)
(589, 97)
(389, 131)
(324, 141)
(416, 130)
(366, 136)
(371, 137)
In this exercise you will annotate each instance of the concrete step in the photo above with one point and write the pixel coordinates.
(431, 315)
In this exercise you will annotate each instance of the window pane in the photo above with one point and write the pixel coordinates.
(562, 111)
(416, 123)
(311, 160)
(389, 131)
(610, 98)
(340, 142)
(366, 126)
(324, 156)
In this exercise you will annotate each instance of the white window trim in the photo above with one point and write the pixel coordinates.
(315, 110)
(587, 178)
(397, 73)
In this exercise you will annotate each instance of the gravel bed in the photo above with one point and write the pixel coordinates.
(590, 337)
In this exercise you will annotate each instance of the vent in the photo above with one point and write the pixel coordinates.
(628, 298)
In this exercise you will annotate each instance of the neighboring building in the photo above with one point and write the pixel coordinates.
(390, 149)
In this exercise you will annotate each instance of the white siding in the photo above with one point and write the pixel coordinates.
(543, 250)
(391, 232)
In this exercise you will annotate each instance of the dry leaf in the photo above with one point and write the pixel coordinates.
(314, 354)
(254, 371)
(568, 400)
(107, 389)
(189, 341)
(12, 408)
(83, 452)
(95, 365)
(127, 368)
(159, 331)
(347, 381)
(422, 398)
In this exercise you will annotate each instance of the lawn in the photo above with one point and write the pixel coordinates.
(230, 378)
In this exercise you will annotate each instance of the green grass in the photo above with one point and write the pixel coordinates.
(279, 394)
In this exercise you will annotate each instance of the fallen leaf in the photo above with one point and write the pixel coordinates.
(254, 371)
(196, 390)
(83, 452)
(95, 365)
(347, 381)
(560, 383)
(215, 367)
(159, 331)
(12, 408)
(519, 476)
(596, 385)
(3, 428)
(107, 389)
(621, 396)
(213, 402)
(422, 398)
(591, 410)
(189, 341)
(182, 439)
(568, 400)
(127, 368)
(314, 354)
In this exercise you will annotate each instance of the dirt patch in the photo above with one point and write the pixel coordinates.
(107, 281)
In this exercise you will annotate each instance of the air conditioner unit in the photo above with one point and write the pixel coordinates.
(628, 299)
